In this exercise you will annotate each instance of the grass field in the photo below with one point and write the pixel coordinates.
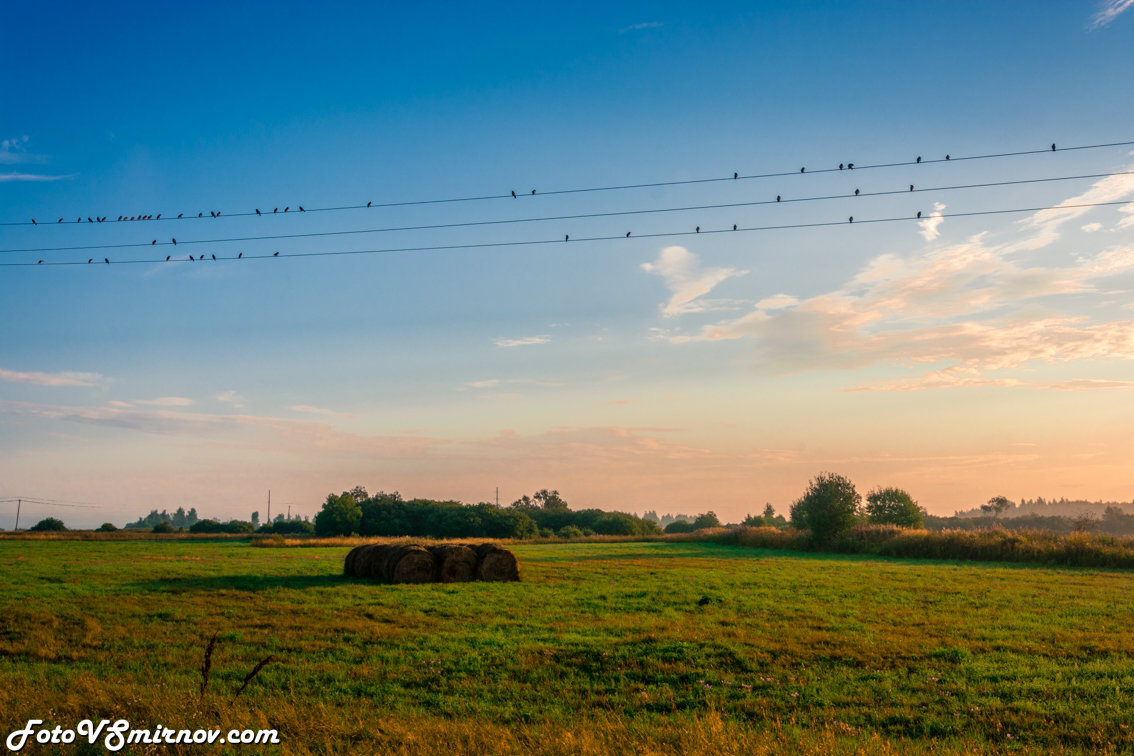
(657, 647)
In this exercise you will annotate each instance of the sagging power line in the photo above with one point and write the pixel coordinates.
(513, 194)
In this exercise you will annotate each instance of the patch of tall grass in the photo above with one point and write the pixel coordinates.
(993, 545)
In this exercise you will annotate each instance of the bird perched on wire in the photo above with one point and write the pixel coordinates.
(801, 170)
(698, 229)
(1053, 146)
(566, 237)
(174, 242)
(919, 213)
(856, 192)
(192, 258)
(257, 211)
(735, 175)
(778, 198)
(850, 166)
(90, 260)
(33, 222)
(106, 260)
(301, 209)
(911, 187)
(275, 254)
(153, 242)
(180, 214)
(514, 194)
(733, 226)
(627, 234)
(368, 204)
(167, 258)
(919, 158)
(240, 256)
(947, 157)
(287, 208)
(40, 262)
(533, 191)
(214, 257)
(840, 166)
(276, 210)
(850, 219)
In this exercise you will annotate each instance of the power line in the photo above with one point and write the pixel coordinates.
(48, 502)
(628, 235)
(576, 216)
(614, 187)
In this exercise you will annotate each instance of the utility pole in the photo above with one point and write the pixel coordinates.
(269, 506)
(289, 512)
(18, 502)
(498, 497)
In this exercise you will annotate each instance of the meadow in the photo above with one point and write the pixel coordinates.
(604, 647)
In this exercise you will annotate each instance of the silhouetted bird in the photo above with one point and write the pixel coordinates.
(89, 220)
(276, 210)
(153, 242)
(192, 258)
(733, 226)
(275, 254)
(218, 213)
(801, 170)
(180, 214)
(919, 213)
(911, 187)
(533, 191)
(735, 175)
(167, 258)
(59, 221)
(158, 216)
(698, 229)
(90, 260)
(1053, 146)
(287, 208)
(566, 237)
(850, 166)
(513, 194)
(106, 260)
(840, 166)
(850, 219)
(240, 256)
(212, 214)
(919, 158)
(777, 198)
(199, 214)
(257, 211)
(856, 192)
(947, 157)
(368, 204)
(627, 234)
(174, 242)
(214, 257)
(119, 217)
(301, 209)
(40, 262)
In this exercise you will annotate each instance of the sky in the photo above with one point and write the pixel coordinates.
(446, 342)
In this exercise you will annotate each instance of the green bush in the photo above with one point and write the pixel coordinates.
(570, 531)
(164, 527)
(893, 506)
(680, 526)
(49, 524)
(106, 527)
(829, 507)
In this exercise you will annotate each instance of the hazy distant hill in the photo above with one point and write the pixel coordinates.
(1055, 508)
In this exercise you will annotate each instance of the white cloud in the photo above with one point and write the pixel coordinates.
(319, 411)
(679, 267)
(1108, 11)
(166, 401)
(929, 224)
(1090, 228)
(230, 397)
(33, 177)
(525, 341)
(966, 312)
(641, 26)
(66, 378)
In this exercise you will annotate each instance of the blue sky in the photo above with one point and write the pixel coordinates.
(974, 357)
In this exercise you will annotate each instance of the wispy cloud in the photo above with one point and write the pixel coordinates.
(14, 151)
(930, 224)
(33, 177)
(319, 411)
(230, 397)
(1108, 11)
(492, 383)
(166, 401)
(971, 310)
(66, 378)
(687, 281)
(642, 26)
(525, 341)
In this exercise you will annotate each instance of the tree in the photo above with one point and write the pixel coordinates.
(164, 527)
(106, 527)
(829, 507)
(893, 506)
(706, 520)
(340, 515)
(49, 524)
(769, 511)
(256, 519)
(996, 505)
(358, 493)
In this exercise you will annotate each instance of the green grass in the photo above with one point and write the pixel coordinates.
(604, 647)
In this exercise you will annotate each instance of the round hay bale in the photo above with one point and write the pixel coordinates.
(456, 562)
(348, 564)
(496, 563)
(366, 561)
(409, 563)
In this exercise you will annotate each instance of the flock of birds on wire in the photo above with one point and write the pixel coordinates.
(566, 237)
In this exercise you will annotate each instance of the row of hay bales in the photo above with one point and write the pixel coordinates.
(443, 563)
